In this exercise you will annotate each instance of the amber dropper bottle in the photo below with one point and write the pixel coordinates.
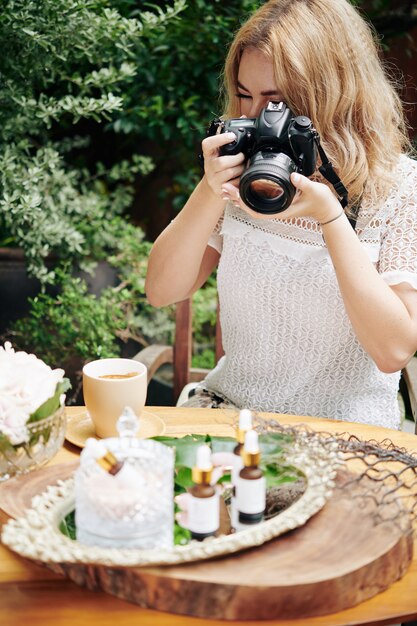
(106, 460)
(203, 504)
(104, 457)
(251, 485)
(245, 424)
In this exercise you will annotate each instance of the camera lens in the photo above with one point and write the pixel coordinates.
(265, 185)
(266, 189)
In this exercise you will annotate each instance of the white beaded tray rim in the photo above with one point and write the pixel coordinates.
(37, 536)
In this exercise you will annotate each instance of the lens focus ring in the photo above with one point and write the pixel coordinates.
(265, 185)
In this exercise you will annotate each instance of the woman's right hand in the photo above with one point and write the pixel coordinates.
(221, 169)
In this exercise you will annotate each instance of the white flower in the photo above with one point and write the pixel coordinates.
(12, 420)
(26, 383)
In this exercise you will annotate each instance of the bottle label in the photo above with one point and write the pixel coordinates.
(203, 514)
(250, 495)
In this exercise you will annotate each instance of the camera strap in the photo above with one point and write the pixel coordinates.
(327, 170)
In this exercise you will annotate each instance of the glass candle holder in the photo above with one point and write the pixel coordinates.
(131, 508)
(45, 438)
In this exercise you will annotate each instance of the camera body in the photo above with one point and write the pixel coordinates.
(276, 143)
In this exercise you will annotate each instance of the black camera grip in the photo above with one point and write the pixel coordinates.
(243, 139)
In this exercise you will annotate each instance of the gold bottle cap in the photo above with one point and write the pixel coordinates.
(201, 472)
(240, 435)
(251, 459)
(201, 477)
(108, 461)
(102, 455)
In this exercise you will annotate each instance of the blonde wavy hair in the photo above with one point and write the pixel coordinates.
(327, 66)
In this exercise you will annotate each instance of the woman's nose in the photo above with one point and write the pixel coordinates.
(255, 108)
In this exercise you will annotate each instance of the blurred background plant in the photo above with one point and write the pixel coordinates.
(102, 109)
(67, 66)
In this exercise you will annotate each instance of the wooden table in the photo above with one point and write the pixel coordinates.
(31, 594)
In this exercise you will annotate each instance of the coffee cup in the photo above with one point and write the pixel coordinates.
(109, 385)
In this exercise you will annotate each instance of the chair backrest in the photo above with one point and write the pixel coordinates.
(408, 388)
(155, 355)
(184, 373)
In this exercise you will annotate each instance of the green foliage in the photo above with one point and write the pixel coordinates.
(67, 68)
(273, 446)
(74, 324)
(67, 526)
(205, 358)
(178, 70)
(6, 448)
(164, 65)
(204, 322)
(67, 61)
(182, 535)
(52, 211)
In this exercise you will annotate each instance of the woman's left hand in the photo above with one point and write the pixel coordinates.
(312, 199)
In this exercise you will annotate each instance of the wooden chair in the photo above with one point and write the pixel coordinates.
(408, 388)
(180, 354)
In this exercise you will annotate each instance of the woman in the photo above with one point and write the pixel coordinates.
(317, 318)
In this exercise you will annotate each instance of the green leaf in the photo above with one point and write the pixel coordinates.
(226, 478)
(67, 526)
(276, 475)
(5, 445)
(185, 448)
(182, 536)
(223, 444)
(274, 443)
(50, 406)
(182, 480)
(183, 477)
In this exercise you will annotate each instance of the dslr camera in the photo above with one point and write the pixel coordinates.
(275, 144)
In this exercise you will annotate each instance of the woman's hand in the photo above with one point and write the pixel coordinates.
(312, 199)
(220, 170)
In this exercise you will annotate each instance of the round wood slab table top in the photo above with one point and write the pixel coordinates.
(222, 588)
(337, 559)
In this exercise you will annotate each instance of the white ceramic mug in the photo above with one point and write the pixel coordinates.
(105, 398)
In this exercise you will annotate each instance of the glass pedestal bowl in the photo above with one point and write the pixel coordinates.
(45, 438)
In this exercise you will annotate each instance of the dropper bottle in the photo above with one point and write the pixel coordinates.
(120, 470)
(245, 424)
(203, 503)
(251, 485)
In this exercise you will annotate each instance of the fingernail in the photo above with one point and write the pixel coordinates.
(295, 177)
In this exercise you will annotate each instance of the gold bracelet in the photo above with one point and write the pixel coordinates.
(333, 218)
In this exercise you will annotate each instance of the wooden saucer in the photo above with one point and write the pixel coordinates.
(80, 427)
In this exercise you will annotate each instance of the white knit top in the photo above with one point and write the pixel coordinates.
(289, 344)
